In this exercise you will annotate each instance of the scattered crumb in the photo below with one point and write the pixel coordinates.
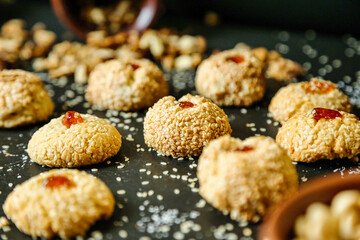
(3, 222)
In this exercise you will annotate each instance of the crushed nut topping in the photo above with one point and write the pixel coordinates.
(17, 43)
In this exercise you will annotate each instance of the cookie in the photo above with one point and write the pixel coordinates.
(233, 77)
(304, 96)
(74, 140)
(182, 128)
(320, 134)
(59, 202)
(23, 99)
(126, 85)
(245, 178)
(277, 67)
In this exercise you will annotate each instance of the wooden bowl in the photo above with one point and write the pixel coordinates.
(67, 13)
(279, 224)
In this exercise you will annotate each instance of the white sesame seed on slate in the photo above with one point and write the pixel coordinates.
(123, 234)
(121, 192)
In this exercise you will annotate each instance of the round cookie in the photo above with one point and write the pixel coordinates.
(126, 85)
(304, 96)
(320, 134)
(232, 77)
(23, 99)
(245, 178)
(59, 202)
(182, 128)
(74, 140)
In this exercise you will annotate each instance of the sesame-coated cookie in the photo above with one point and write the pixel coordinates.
(277, 67)
(23, 99)
(232, 77)
(59, 202)
(245, 178)
(126, 85)
(304, 96)
(320, 134)
(74, 140)
(182, 128)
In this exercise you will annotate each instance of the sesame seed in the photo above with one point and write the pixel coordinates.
(123, 234)
(121, 192)
(201, 203)
(247, 232)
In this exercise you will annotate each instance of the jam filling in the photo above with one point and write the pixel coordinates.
(70, 118)
(320, 113)
(186, 104)
(244, 149)
(318, 87)
(236, 59)
(57, 182)
(134, 66)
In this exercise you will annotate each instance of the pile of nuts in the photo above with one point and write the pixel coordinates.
(111, 18)
(67, 58)
(16, 43)
(338, 221)
(174, 51)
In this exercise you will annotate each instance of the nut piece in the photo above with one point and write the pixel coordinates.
(245, 178)
(182, 128)
(150, 40)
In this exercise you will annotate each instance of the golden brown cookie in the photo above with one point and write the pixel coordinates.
(232, 77)
(245, 178)
(182, 128)
(74, 140)
(320, 134)
(23, 99)
(126, 85)
(304, 96)
(59, 202)
(277, 67)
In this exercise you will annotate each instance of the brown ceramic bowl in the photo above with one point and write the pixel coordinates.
(68, 12)
(279, 224)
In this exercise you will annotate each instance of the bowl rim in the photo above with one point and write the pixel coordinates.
(146, 17)
(279, 222)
